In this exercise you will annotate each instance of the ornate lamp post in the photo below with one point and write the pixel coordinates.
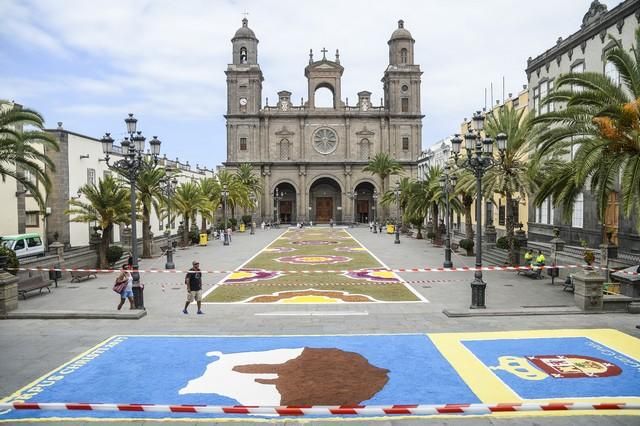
(397, 193)
(375, 206)
(277, 196)
(130, 167)
(168, 189)
(252, 198)
(224, 194)
(478, 160)
(448, 183)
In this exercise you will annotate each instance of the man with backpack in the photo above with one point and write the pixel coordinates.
(193, 281)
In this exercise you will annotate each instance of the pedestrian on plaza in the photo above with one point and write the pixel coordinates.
(262, 225)
(331, 223)
(193, 281)
(125, 280)
(380, 228)
(229, 233)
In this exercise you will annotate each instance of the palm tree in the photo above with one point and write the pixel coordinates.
(238, 192)
(188, 200)
(150, 195)
(601, 120)
(383, 166)
(106, 203)
(210, 189)
(19, 148)
(466, 191)
(249, 180)
(511, 177)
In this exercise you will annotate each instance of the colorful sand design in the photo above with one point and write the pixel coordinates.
(314, 254)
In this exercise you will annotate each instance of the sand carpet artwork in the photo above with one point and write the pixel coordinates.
(599, 366)
(280, 273)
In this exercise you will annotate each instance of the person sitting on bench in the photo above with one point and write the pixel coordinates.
(528, 257)
(540, 261)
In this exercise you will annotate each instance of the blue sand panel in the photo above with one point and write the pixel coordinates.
(626, 383)
(152, 369)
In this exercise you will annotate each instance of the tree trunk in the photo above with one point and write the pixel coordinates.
(146, 233)
(103, 263)
(204, 224)
(468, 225)
(185, 231)
(436, 223)
(510, 226)
(385, 210)
(419, 234)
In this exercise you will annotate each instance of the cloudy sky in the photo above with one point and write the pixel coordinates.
(88, 63)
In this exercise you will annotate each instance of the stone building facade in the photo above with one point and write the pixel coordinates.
(312, 156)
(583, 51)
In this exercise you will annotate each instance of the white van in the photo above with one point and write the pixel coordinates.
(25, 245)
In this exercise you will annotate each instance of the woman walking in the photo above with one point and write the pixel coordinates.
(125, 279)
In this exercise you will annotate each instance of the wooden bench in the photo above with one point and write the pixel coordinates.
(82, 275)
(33, 283)
(535, 272)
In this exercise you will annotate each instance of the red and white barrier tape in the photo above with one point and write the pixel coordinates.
(336, 271)
(360, 410)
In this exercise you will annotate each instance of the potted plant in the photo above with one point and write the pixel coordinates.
(467, 244)
(588, 255)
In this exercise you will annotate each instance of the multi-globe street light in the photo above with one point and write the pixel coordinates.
(478, 160)
(375, 205)
(169, 185)
(134, 161)
(277, 196)
(224, 194)
(447, 183)
(397, 193)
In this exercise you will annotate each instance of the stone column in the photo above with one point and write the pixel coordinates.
(490, 234)
(607, 251)
(588, 290)
(347, 210)
(302, 198)
(8, 289)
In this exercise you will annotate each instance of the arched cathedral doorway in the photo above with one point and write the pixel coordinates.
(364, 206)
(284, 203)
(325, 201)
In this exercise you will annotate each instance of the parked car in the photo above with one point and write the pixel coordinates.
(24, 245)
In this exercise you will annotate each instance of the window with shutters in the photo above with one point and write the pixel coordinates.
(577, 217)
(243, 144)
(91, 176)
(365, 150)
(405, 143)
(403, 56)
(405, 104)
(284, 150)
(501, 213)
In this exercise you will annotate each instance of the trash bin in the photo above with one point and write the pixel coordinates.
(242, 227)
(203, 239)
(391, 229)
(55, 275)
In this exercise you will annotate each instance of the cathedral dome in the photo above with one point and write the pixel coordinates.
(244, 31)
(401, 33)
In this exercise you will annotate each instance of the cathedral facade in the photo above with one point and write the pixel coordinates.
(311, 158)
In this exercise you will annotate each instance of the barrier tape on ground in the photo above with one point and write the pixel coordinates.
(338, 271)
(360, 410)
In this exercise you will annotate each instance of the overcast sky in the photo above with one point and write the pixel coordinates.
(89, 63)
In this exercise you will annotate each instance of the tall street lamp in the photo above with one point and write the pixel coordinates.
(448, 183)
(397, 193)
(375, 205)
(478, 160)
(130, 166)
(252, 198)
(224, 194)
(169, 185)
(277, 196)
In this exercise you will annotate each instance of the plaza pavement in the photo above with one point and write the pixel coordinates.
(32, 347)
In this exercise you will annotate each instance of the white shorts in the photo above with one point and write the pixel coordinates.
(194, 295)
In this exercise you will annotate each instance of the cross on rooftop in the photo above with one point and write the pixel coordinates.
(245, 13)
(324, 51)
